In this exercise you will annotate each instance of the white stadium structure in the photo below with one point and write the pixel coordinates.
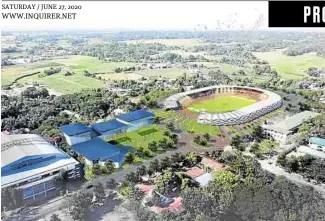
(267, 102)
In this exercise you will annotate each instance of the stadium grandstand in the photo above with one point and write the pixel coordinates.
(267, 102)
(30, 164)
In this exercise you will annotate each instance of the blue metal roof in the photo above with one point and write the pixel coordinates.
(107, 126)
(97, 149)
(74, 129)
(318, 141)
(135, 115)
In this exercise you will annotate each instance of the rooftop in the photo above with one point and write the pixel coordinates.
(292, 122)
(318, 141)
(97, 149)
(75, 129)
(27, 156)
(134, 115)
(204, 179)
(195, 172)
(107, 126)
(213, 164)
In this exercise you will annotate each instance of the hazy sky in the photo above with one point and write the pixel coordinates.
(149, 15)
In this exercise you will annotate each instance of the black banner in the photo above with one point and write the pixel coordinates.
(288, 14)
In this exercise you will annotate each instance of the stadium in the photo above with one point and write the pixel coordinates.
(224, 105)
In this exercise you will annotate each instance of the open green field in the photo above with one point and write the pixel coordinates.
(170, 42)
(142, 137)
(221, 104)
(167, 72)
(58, 82)
(291, 67)
(187, 124)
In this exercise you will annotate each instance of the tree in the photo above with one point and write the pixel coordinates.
(99, 192)
(174, 138)
(156, 120)
(254, 148)
(129, 158)
(207, 136)
(111, 184)
(177, 157)
(293, 163)
(281, 160)
(170, 126)
(55, 217)
(167, 133)
(167, 182)
(89, 173)
(78, 205)
(165, 163)
(109, 165)
(132, 177)
(140, 152)
(163, 144)
(197, 139)
(192, 159)
(237, 142)
(152, 146)
(225, 180)
(154, 165)
(136, 194)
(257, 132)
(142, 170)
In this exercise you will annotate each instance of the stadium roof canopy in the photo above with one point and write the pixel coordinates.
(318, 141)
(134, 115)
(292, 122)
(25, 156)
(98, 149)
(74, 129)
(108, 126)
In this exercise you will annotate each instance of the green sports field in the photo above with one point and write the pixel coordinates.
(221, 104)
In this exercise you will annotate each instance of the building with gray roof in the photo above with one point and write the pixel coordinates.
(283, 130)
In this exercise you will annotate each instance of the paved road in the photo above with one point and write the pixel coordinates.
(293, 177)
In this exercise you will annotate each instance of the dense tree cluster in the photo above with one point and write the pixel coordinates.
(307, 46)
(124, 52)
(91, 105)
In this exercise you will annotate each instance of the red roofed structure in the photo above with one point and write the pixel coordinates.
(213, 164)
(147, 189)
(195, 172)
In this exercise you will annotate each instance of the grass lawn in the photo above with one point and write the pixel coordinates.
(141, 138)
(170, 42)
(167, 72)
(58, 82)
(187, 124)
(221, 104)
(291, 67)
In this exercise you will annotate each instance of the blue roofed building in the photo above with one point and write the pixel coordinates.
(76, 133)
(30, 164)
(136, 119)
(98, 151)
(317, 143)
(109, 128)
